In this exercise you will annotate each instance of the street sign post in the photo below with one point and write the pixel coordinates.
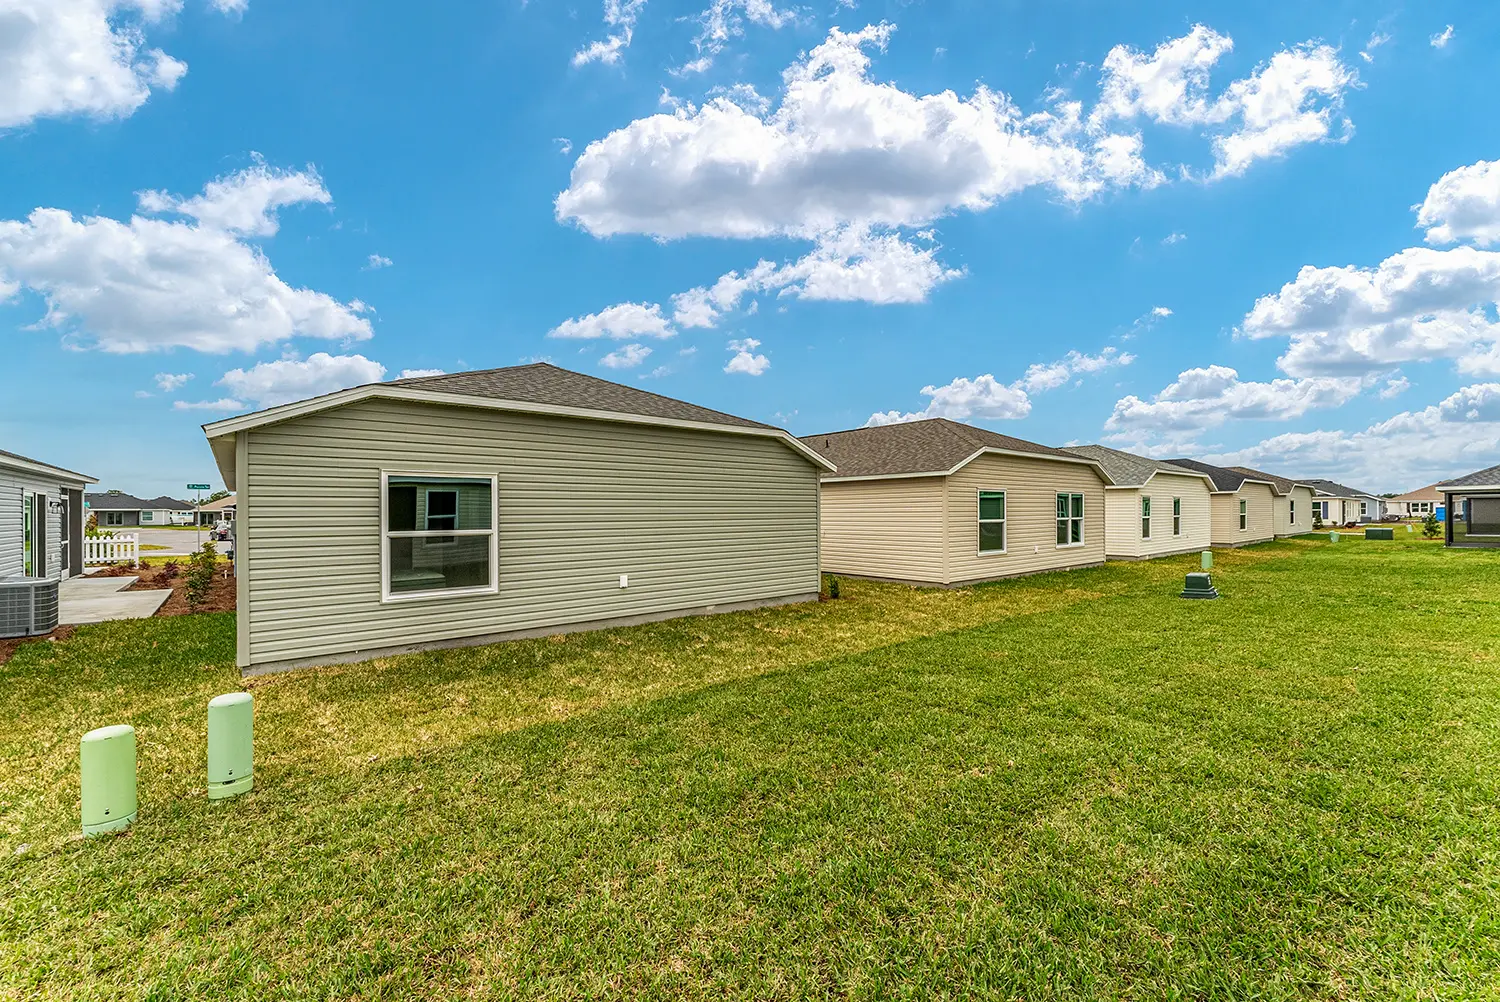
(198, 514)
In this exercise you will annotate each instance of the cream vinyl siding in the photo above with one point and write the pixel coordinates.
(1123, 518)
(886, 529)
(1259, 523)
(1031, 487)
(13, 484)
(1303, 497)
(694, 518)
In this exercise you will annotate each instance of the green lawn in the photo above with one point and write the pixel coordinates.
(1073, 786)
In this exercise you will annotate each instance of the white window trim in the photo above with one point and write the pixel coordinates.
(1291, 511)
(386, 597)
(1244, 515)
(1146, 516)
(1082, 519)
(1004, 526)
(1177, 516)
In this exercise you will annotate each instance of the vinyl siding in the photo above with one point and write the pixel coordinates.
(1304, 499)
(13, 484)
(1123, 518)
(885, 529)
(1031, 487)
(1260, 522)
(694, 518)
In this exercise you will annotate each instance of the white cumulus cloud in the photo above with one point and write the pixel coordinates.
(725, 19)
(1463, 204)
(986, 398)
(171, 382)
(378, 261)
(152, 283)
(745, 360)
(626, 320)
(621, 16)
(1207, 397)
(419, 373)
(626, 357)
(268, 384)
(244, 203)
(81, 57)
(1442, 38)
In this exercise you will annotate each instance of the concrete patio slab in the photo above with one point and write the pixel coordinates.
(94, 600)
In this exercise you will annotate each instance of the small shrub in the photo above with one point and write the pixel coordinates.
(170, 570)
(1431, 527)
(831, 586)
(1317, 520)
(200, 575)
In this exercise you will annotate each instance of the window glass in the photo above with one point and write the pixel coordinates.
(439, 533)
(1069, 519)
(1177, 516)
(1145, 518)
(991, 521)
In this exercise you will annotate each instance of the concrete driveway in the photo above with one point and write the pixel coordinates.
(179, 542)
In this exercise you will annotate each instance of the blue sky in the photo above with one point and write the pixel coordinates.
(1266, 235)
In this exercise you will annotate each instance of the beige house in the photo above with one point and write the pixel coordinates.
(460, 509)
(1292, 502)
(1341, 505)
(1152, 508)
(941, 503)
(1244, 509)
(1416, 504)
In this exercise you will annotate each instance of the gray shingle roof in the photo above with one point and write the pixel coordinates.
(1224, 478)
(1335, 489)
(1282, 484)
(543, 383)
(1487, 477)
(105, 501)
(935, 445)
(1127, 469)
(38, 462)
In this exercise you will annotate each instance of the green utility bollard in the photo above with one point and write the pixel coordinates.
(1333, 537)
(1207, 560)
(231, 756)
(106, 768)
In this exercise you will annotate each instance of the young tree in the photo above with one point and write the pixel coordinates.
(200, 575)
(1431, 527)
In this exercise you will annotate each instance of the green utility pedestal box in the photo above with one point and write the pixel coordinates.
(231, 757)
(106, 769)
(1380, 533)
(1206, 561)
(1333, 537)
(1200, 586)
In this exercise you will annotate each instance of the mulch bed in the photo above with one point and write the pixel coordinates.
(9, 647)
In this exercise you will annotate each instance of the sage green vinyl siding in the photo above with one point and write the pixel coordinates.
(885, 529)
(694, 518)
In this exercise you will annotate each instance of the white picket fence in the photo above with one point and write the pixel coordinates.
(111, 550)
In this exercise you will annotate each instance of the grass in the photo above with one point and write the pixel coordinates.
(1074, 786)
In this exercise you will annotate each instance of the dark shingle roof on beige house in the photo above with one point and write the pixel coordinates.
(935, 446)
(1127, 469)
(1282, 484)
(1226, 479)
(543, 383)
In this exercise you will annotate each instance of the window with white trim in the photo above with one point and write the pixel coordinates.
(1291, 511)
(1145, 518)
(1070, 520)
(991, 521)
(1364, 507)
(147, 516)
(439, 535)
(1244, 516)
(1177, 516)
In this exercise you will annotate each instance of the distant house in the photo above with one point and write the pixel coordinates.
(214, 511)
(1418, 503)
(942, 503)
(41, 518)
(1152, 508)
(116, 509)
(1292, 502)
(1244, 509)
(1472, 505)
(1341, 505)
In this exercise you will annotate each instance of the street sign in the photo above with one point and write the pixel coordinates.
(198, 487)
